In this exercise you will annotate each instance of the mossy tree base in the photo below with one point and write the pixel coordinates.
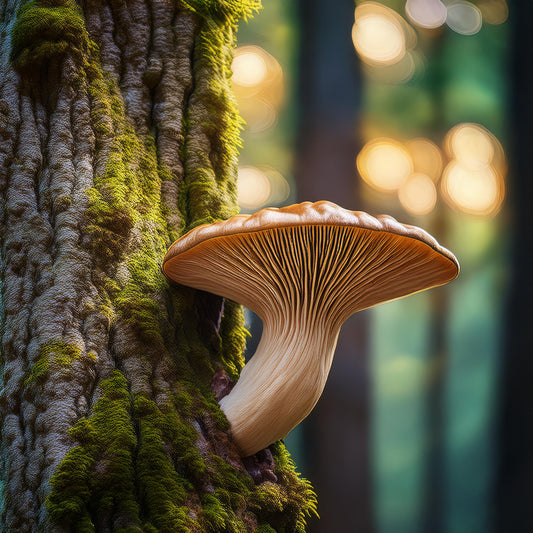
(117, 134)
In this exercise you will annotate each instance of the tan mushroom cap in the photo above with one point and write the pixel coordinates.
(258, 258)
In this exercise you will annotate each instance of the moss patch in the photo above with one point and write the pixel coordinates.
(224, 10)
(53, 356)
(233, 335)
(208, 193)
(140, 462)
(46, 30)
(300, 498)
(98, 474)
(125, 220)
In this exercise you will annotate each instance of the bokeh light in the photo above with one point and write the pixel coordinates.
(473, 181)
(418, 194)
(493, 11)
(254, 69)
(249, 66)
(257, 74)
(499, 161)
(477, 192)
(427, 14)
(471, 144)
(379, 34)
(384, 164)
(426, 156)
(475, 146)
(379, 39)
(399, 72)
(260, 186)
(279, 186)
(464, 17)
(258, 86)
(258, 114)
(253, 187)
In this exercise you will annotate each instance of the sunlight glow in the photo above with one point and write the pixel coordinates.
(418, 194)
(473, 181)
(379, 34)
(260, 186)
(399, 72)
(477, 192)
(384, 164)
(258, 86)
(464, 17)
(253, 187)
(279, 186)
(258, 114)
(249, 66)
(427, 157)
(471, 144)
(494, 11)
(426, 13)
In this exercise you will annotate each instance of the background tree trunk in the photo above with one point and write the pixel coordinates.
(117, 134)
(514, 477)
(337, 433)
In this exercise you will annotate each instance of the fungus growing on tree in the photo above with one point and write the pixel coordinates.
(303, 269)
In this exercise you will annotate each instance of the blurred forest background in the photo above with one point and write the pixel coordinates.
(422, 110)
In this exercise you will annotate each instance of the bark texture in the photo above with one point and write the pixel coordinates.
(117, 134)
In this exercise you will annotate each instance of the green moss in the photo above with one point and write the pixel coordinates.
(97, 477)
(224, 11)
(122, 464)
(62, 203)
(233, 335)
(222, 510)
(47, 30)
(301, 501)
(56, 355)
(282, 506)
(213, 131)
(109, 229)
(105, 104)
(162, 490)
(133, 455)
(125, 197)
(265, 528)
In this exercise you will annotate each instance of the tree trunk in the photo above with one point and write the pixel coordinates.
(338, 431)
(117, 134)
(514, 476)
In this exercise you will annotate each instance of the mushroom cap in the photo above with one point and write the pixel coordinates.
(314, 255)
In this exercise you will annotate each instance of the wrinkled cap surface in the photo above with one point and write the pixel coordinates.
(315, 256)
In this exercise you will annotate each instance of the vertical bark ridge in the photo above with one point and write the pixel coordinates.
(118, 132)
(213, 130)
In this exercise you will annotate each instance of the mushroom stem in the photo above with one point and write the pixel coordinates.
(281, 383)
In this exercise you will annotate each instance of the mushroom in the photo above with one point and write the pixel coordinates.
(303, 269)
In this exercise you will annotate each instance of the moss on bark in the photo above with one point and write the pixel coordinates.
(57, 354)
(46, 30)
(158, 460)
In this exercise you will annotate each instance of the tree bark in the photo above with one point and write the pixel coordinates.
(117, 134)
